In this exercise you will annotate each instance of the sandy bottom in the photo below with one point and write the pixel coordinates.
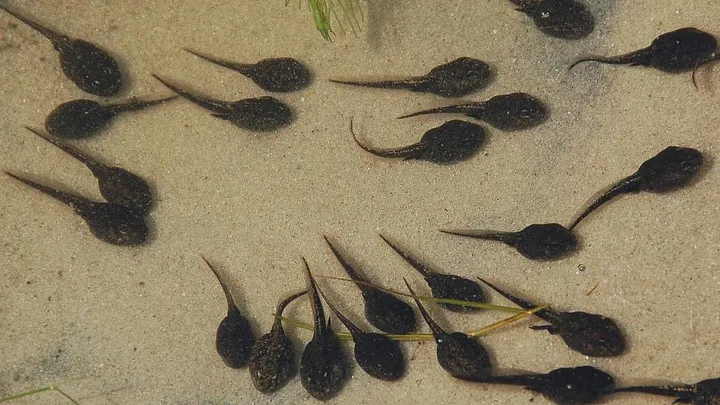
(137, 325)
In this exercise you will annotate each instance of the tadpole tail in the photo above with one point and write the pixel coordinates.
(635, 57)
(321, 328)
(217, 106)
(415, 263)
(527, 380)
(354, 330)
(243, 68)
(403, 152)
(548, 315)
(232, 308)
(86, 160)
(667, 390)
(437, 331)
(349, 269)
(76, 202)
(474, 108)
(714, 58)
(408, 84)
(136, 105)
(277, 323)
(623, 186)
(500, 236)
(53, 36)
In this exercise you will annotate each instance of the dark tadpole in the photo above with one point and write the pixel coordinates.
(563, 386)
(272, 357)
(459, 354)
(383, 310)
(324, 367)
(673, 168)
(116, 184)
(535, 242)
(83, 118)
(451, 142)
(259, 114)
(565, 19)
(706, 392)
(679, 51)
(111, 223)
(590, 334)
(445, 285)
(379, 356)
(281, 75)
(507, 112)
(234, 338)
(92, 69)
(458, 78)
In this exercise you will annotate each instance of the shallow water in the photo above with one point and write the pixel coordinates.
(138, 325)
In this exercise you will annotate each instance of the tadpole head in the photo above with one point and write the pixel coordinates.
(119, 186)
(92, 69)
(451, 142)
(577, 385)
(280, 74)
(459, 77)
(514, 112)
(462, 356)
(379, 356)
(565, 19)
(671, 169)
(456, 288)
(78, 119)
(388, 313)
(260, 114)
(591, 334)
(708, 392)
(116, 224)
(545, 241)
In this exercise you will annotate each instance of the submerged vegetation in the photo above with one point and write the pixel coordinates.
(345, 14)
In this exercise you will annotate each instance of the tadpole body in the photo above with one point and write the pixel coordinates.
(281, 75)
(445, 285)
(457, 78)
(563, 386)
(324, 367)
(111, 223)
(705, 392)
(260, 114)
(451, 142)
(83, 118)
(272, 357)
(116, 184)
(506, 112)
(672, 169)
(383, 310)
(91, 68)
(457, 353)
(535, 242)
(565, 19)
(590, 334)
(234, 338)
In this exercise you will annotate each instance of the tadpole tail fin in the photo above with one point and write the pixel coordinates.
(499, 236)
(53, 36)
(450, 109)
(243, 68)
(136, 105)
(216, 106)
(639, 57)
(621, 187)
(664, 390)
(715, 57)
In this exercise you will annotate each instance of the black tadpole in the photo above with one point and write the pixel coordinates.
(457, 353)
(111, 223)
(280, 75)
(116, 184)
(383, 310)
(260, 114)
(507, 112)
(458, 78)
(272, 357)
(590, 334)
(445, 285)
(706, 392)
(83, 118)
(234, 338)
(563, 386)
(565, 19)
(324, 367)
(535, 242)
(451, 142)
(673, 168)
(92, 69)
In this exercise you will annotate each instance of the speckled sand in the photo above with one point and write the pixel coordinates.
(137, 326)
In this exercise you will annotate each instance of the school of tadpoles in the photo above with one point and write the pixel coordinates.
(324, 366)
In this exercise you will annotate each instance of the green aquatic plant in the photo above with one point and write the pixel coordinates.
(37, 391)
(327, 13)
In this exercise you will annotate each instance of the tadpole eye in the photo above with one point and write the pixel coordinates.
(525, 113)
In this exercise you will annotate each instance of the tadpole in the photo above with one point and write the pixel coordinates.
(563, 386)
(324, 367)
(673, 168)
(280, 75)
(451, 142)
(383, 310)
(116, 184)
(682, 50)
(379, 356)
(458, 78)
(706, 392)
(445, 285)
(92, 69)
(535, 242)
(565, 19)
(234, 338)
(83, 118)
(457, 353)
(590, 334)
(111, 223)
(272, 357)
(259, 114)
(507, 112)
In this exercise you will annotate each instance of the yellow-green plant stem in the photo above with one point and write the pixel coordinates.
(37, 391)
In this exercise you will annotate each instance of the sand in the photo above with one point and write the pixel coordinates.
(137, 325)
